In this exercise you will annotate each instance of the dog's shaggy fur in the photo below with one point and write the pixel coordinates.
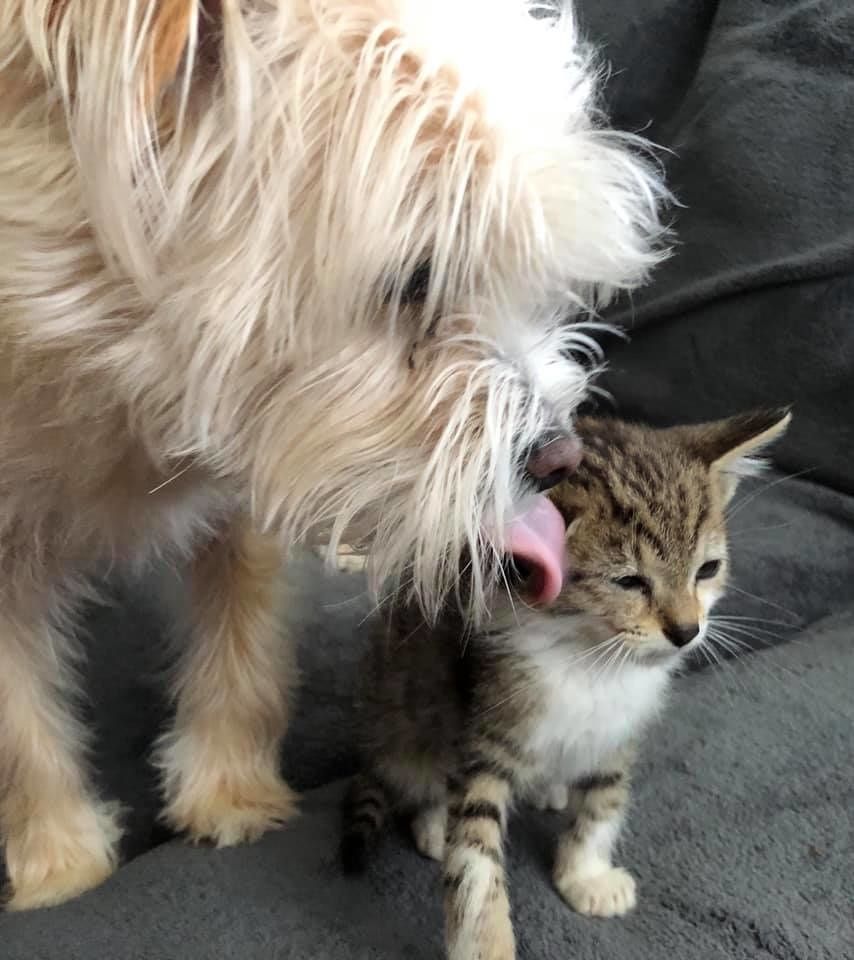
(271, 270)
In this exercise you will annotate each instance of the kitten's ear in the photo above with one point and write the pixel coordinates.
(732, 447)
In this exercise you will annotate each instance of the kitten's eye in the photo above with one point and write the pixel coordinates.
(415, 290)
(632, 583)
(709, 569)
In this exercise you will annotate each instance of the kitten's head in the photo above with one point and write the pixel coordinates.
(646, 525)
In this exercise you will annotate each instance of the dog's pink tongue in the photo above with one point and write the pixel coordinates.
(536, 537)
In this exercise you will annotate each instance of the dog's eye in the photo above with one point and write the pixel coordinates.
(632, 582)
(709, 569)
(415, 290)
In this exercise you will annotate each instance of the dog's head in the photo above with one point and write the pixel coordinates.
(359, 228)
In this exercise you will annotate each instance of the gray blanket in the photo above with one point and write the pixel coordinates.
(753, 98)
(741, 836)
(742, 833)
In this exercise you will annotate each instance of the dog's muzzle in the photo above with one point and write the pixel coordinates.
(553, 460)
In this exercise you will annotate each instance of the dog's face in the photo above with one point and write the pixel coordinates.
(358, 236)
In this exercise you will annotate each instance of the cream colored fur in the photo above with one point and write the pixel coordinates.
(208, 214)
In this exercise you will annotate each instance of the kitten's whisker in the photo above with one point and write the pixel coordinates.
(757, 633)
(728, 617)
(506, 582)
(734, 647)
(706, 648)
(513, 597)
(382, 601)
(346, 602)
(410, 635)
(734, 641)
(627, 656)
(777, 673)
(604, 649)
(614, 651)
(764, 639)
(563, 665)
(613, 643)
(770, 603)
(764, 488)
(753, 531)
(720, 639)
(728, 664)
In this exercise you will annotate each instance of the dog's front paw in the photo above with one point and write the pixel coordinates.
(610, 893)
(224, 804)
(51, 861)
(232, 813)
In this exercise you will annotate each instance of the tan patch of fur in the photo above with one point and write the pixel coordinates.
(169, 35)
(442, 129)
(59, 839)
(220, 763)
(170, 29)
(499, 941)
(488, 788)
(53, 856)
(55, 11)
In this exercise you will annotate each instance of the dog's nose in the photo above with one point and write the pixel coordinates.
(553, 460)
(681, 634)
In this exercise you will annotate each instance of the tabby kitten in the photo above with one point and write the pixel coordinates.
(455, 728)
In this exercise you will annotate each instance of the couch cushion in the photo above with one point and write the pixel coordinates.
(756, 307)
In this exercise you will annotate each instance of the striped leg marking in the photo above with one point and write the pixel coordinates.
(477, 911)
(584, 874)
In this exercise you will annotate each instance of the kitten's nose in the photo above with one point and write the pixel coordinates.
(680, 635)
(553, 459)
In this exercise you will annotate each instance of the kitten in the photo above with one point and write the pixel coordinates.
(455, 728)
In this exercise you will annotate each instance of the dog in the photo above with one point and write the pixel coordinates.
(274, 272)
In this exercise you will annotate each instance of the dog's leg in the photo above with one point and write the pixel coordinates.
(60, 840)
(220, 762)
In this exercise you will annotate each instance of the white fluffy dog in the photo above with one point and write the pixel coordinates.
(272, 270)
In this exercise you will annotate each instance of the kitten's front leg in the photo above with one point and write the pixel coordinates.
(583, 871)
(477, 911)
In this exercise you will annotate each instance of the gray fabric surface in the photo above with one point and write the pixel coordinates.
(742, 829)
(741, 836)
(754, 99)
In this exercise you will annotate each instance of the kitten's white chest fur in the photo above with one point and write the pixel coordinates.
(589, 710)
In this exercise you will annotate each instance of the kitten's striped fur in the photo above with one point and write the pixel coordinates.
(456, 727)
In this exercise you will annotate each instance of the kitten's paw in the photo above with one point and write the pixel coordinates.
(230, 809)
(554, 797)
(51, 862)
(428, 831)
(608, 894)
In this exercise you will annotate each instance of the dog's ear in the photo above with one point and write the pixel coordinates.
(166, 30)
(123, 72)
